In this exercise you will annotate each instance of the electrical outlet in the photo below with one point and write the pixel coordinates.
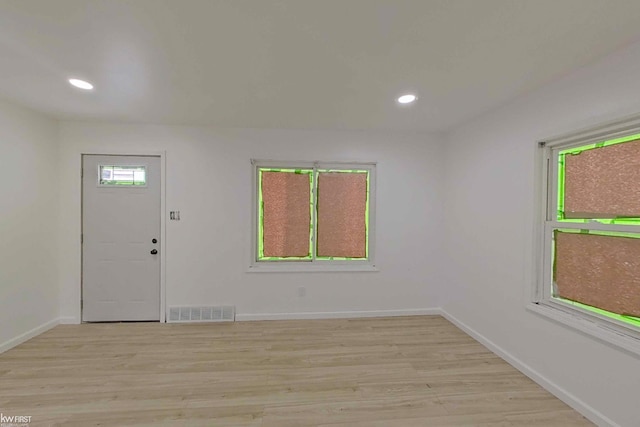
(174, 215)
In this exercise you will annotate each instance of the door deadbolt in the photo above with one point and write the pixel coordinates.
(154, 240)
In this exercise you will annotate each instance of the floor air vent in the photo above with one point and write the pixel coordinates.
(221, 313)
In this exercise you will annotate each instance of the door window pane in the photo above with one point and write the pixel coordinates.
(123, 175)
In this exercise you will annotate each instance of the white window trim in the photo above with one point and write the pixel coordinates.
(601, 327)
(365, 265)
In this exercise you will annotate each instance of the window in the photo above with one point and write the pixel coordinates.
(591, 238)
(313, 216)
(122, 176)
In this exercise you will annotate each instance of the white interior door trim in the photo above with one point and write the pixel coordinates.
(163, 224)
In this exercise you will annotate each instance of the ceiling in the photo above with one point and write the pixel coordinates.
(301, 64)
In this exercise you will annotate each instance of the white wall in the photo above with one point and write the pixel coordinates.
(28, 216)
(489, 208)
(209, 181)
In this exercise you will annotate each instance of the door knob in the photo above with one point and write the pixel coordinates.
(154, 251)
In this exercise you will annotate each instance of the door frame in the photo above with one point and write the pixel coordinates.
(163, 225)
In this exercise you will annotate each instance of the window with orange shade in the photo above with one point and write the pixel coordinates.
(591, 237)
(313, 213)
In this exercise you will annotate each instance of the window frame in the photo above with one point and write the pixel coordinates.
(314, 264)
(621, 334)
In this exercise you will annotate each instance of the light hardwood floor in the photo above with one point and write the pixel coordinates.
(403, 371)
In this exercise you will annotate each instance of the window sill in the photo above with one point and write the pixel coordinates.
(588, 326)
(304, 267)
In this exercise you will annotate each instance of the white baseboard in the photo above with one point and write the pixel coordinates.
(70, 320)
(588, 411)
(338, 314)
(9, 344)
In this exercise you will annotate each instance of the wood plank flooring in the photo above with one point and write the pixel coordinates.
(391, 372)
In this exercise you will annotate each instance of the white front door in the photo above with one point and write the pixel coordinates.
(121, 238)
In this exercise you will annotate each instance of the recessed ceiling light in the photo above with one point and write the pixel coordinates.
(407, 99)
(81, 84)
